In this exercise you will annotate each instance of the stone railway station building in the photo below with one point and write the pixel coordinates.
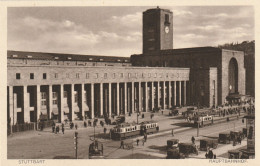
(79, 87)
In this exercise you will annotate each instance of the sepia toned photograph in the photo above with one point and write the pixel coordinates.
(131, 82)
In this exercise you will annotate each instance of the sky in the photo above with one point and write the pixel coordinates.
(117, 31)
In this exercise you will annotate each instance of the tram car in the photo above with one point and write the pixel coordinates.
(126, 130)
(203, 120)
(149, 128)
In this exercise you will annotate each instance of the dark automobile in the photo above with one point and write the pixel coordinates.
(224, 138)
(174, 153)
(205, 144)
(233, 154)
(188, 148)
(172, 142)
(174, 112)
(234, 135)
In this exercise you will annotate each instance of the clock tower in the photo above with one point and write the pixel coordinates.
(157, 30)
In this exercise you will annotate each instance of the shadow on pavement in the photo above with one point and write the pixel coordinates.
(184, 124)
(162, 149)
(176, 117)
(140, 156)
(209, 137)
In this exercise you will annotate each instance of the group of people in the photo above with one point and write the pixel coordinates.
(210, 155)
(56, 128)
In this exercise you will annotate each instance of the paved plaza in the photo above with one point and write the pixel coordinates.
(47, 145)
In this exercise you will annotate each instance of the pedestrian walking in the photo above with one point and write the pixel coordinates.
(210, 155)
(143, 140)
(58, 129)
(145, 137)
(122, 144)
(53, 128)
(85, 124)
(62, 129)
(172, 132)
(193, 139)
(105, 130)
(76, 126)
(137, 142)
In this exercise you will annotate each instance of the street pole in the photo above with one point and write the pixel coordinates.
(76, 144)
(198, 130)
(198, 127)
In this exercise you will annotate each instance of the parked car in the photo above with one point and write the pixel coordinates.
(208, 143)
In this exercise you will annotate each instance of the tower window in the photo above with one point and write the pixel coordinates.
(44, 75)
(167, 18)
(31, 76)
(18, 76)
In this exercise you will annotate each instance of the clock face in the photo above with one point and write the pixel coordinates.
(166, 29)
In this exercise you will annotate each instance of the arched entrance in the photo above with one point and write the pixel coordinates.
(233, 76)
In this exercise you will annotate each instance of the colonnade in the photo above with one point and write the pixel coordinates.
(86, 101)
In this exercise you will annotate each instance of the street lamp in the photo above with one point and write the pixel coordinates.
(198, 122)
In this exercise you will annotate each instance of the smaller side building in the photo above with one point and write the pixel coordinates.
(214, 73)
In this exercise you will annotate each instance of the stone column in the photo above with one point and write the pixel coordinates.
(11, 105)
(50, 101)
(38, 102)
(61, 102)
(180, 93)
(152, 96)
(82, 97)
(92, 100)
(158, 94)
(125, 86)
(184, 93)
(175, 91)
(72, 102)
(117, 98)
(101, 99)
(109, 99)
(133, 97)
(146, 97)
(140, 97)
(170, 94)
(26, 108)
(163, 95)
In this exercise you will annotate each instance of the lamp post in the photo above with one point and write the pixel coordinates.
(198, 122)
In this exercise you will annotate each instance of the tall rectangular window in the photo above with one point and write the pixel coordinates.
(167, 18)
(31, 76)
(77, 75)
(44, 76)
(87, 75)
(56, 75)
(18, 76)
